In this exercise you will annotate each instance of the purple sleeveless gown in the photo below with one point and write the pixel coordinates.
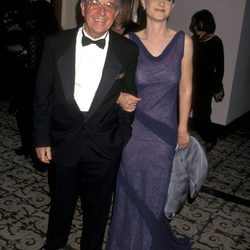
(138, 221)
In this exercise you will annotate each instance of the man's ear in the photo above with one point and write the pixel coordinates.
(82, 5)
(116, 13)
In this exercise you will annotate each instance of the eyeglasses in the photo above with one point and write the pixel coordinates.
(96, 4)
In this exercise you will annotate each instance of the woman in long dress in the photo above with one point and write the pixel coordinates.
(164, 84)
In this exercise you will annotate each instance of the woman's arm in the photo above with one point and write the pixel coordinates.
(185, 93)
(218, 65)
(218, 72)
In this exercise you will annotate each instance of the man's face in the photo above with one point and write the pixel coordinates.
(99, 16)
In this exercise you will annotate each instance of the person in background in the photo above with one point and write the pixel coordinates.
(164, 84)
(123, 23)
(208, 74)
(12, 50)
(40, 22)
(78, 126)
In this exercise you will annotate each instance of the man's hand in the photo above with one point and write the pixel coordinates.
(128, 102)
(44, 154)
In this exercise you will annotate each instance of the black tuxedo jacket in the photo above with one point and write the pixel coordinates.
(59, 123)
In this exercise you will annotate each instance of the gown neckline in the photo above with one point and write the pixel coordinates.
(164, 51)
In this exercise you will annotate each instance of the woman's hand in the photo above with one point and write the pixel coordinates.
(183, 139)
(128, 102)
(218, 97)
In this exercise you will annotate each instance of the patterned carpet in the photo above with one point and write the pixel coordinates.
(219, 218)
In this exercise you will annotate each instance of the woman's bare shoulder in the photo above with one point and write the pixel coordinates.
(188, 41)
(140, 33)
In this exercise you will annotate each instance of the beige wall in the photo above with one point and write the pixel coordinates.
(69, 10)
(240, 95)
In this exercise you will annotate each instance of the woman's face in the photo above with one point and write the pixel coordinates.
(158, 10)
(199, 34)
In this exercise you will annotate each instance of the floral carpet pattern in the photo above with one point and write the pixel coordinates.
(218, 219)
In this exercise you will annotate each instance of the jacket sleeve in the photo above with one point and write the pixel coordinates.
(42, 98)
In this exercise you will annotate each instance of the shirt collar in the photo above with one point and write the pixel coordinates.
(104, 36)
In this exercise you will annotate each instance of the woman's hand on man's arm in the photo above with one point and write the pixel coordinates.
(128, 102)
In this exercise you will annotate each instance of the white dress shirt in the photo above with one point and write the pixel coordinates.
(89, 62)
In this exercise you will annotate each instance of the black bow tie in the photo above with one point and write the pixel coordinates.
(86, 41)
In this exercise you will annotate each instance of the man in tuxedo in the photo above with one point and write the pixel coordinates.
(79, 127)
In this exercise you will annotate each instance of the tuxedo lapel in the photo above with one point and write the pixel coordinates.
(111, 69)
(66, 67)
